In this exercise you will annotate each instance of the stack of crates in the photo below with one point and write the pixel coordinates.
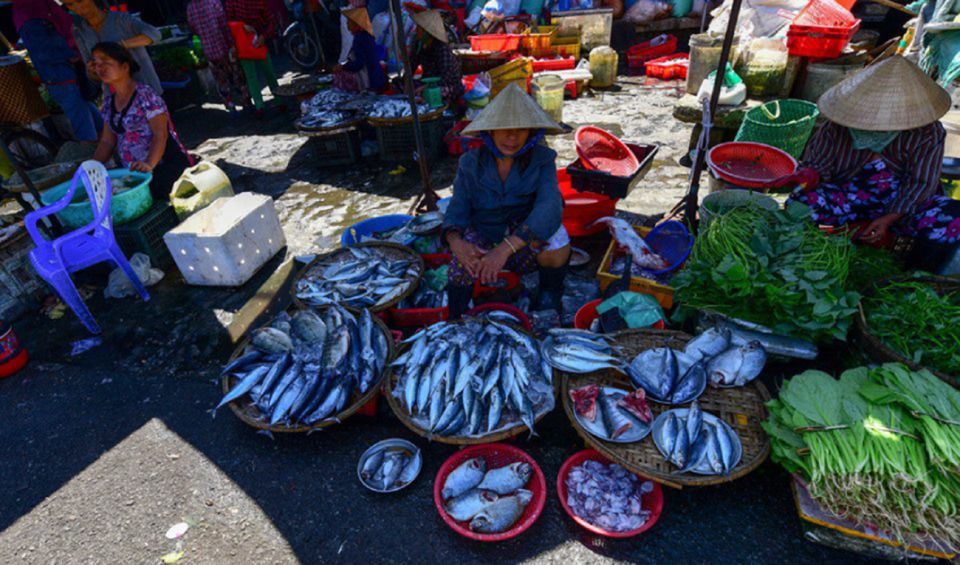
(518, 71)
(20, 286)
(536, 42)
(336, 148)
(145, 234)
(398, 141)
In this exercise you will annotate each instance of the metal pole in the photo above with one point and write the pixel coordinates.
(428, 200)
(692, 198)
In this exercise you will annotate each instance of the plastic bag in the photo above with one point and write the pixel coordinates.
(119, 286)
(647, 11)
(480, 89)
(637, 310)
(732, 93)
(758, 18)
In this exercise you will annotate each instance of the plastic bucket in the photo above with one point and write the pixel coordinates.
(124, 207)
(588, 313)
(548, 92)
(370, 226)
(13, 356)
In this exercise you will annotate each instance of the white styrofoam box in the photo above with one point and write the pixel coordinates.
(225, 243)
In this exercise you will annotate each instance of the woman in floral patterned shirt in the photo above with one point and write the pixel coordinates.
(136, 122)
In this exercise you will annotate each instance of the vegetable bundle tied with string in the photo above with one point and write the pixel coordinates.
(873, 446)
(773, 268)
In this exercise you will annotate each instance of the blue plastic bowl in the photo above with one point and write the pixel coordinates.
(673, 242)
(364, 228)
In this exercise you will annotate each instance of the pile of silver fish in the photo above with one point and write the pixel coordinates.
(607, 496)
(499, 316)
(388, 107)
(425, 223)
(619, 413)
(365, 278)
(302, 369)
(405, 234)
(580, 351)
(707, 446)
(629, 241)
(390, 468)
(472, 378)
(492, 501)
(326, 119)
(431, 292)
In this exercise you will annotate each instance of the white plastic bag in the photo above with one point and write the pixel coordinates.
(647, 11)
(119, 286)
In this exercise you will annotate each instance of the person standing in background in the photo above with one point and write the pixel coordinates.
(258, 20)
(362, 71)
(432, 50)
(98, 25)
(208, 20)
(46, 31)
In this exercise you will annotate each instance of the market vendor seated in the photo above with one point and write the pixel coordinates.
(431, 50)
(362, 71)
(136, 122)
(878, 158)
(506, 208)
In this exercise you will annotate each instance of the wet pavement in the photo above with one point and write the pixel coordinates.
(107, 449)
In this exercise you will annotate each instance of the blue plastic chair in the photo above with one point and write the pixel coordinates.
(84, 247)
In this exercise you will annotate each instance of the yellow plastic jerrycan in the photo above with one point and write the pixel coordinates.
(198, 187)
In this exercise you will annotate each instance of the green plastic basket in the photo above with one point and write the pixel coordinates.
(784, 124)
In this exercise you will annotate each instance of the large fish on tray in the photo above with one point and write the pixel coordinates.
(627, 238)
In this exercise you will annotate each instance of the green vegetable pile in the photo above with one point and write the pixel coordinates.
(880, 446)
(912, 318)
(771, 267)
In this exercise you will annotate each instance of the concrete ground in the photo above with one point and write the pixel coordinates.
(105, 450)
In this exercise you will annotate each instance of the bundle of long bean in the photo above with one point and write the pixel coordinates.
(863, 452)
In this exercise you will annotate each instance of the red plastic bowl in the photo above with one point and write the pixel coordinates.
(588, 313)
(652, 501)
(512, 310)
(750, 165)
(496, 455)
(602, 151)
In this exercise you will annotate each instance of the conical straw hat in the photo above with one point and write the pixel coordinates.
(513, 109)
(893, 95)
(360, 17)
(432, 22)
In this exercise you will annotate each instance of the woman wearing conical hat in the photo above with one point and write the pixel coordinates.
(362, 71)
(878, 158)
(431, 49)
(506, 208)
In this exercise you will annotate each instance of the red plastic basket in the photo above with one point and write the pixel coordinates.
(652, 501)
(496, 455)
(750, 165)
(819, 42)
(824, 13)
(649, 50)
(582, 209)
(669, 67)
(588, 313)
(512, 310)
(602, 151)
(496, 42)
(541, 65)
(419, 317)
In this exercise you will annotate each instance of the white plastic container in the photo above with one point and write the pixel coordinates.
(197, 187)
(227, 242)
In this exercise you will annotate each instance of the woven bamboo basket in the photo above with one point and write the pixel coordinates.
(391, 381)
(248, 412)
(305, 130)
(743, 408)
(426, 117)
(879, 351)
(395, 250)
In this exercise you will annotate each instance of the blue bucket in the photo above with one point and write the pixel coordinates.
(673, 242)
(364, 228)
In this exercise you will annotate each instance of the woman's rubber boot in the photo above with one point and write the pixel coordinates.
(458, 300)
(550, 296)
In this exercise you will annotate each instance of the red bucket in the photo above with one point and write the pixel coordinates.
(582, 209)
(13, 356)
(652, 501)
(588, 313)
(496, 455)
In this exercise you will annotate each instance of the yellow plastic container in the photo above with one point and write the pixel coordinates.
(663, 293)
(603, 67)
(548, 92)
(566, 46)
(198, 187)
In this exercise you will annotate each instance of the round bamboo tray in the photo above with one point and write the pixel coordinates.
(393, 250)
(249, 414)
(426, 117)
(743, 408)
(401, 413)
(315, 131)
(879, 351)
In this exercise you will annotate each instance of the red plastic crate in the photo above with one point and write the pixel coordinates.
(419, 317)
(582, 209)
(669, 67)
(649, 50)
(459, 144)
(497, 42)
(542, 65)
(819, 42)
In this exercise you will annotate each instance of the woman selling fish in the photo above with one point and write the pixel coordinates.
(506, 207)
(878, 159)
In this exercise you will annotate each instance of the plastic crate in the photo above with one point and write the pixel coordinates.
(405, 318)
(670, 67)
(538, 43)
(498, 86)
(649, 50)
(338, 148)
(662, 292)
(496, 42)
(398, 142)
(458, 144)
(521, 67)
(145, 234)
(566, 46)
(562, 64)
(819, 42)
(586, 180)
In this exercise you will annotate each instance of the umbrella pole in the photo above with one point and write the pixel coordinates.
(693, 198)
(428, 200)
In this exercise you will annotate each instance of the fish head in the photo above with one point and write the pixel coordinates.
(477, 464)
(525, 496)
(522, 470)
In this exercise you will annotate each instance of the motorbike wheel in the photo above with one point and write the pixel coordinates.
(304, 50)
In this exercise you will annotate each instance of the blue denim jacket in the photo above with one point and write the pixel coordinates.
(529, 199)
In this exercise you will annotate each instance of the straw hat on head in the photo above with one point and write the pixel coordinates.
(513, 109)
(432, 22)
(360, 17)
(893, 95)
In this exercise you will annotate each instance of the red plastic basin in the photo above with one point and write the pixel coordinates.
(582, 209)
(496, 455)
(750, 165)
(652, 501)
(602, 151)
(588, 313)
